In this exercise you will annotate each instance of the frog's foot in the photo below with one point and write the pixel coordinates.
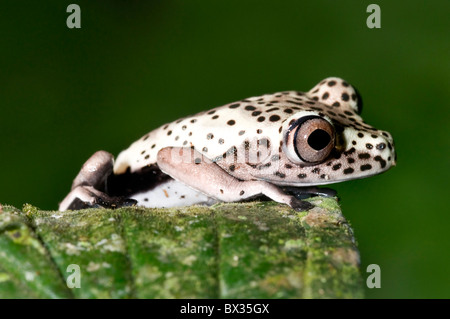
(90, 183)
(307, 192)
(300, 205)
(193, 169)
(88, 197)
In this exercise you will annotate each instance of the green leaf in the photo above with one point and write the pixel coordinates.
(235, 250)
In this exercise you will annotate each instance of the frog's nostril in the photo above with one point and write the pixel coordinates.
(381, 146)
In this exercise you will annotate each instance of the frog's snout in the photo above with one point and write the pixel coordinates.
(382, 150)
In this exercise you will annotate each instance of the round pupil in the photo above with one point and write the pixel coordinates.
(319, 139)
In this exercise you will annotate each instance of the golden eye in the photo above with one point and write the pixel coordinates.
(312, 138)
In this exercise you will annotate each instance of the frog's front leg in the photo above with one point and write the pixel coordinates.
(190, 167)
(88, 188)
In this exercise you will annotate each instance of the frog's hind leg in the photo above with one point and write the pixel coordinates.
(95, 171)
(88, 188)
(190, 167)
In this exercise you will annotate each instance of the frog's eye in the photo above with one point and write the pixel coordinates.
(311, 138)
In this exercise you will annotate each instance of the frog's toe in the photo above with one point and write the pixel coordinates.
(78, 204)
(102, 202)
(106, 201)
(300, 205)
(307, 192)
(88, 197)
(127, 202)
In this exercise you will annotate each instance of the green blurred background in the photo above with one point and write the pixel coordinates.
(135, 65)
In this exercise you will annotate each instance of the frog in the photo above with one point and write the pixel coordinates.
(280, 146)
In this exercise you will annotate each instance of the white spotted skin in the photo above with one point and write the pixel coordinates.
(360, 150)
(172, 194)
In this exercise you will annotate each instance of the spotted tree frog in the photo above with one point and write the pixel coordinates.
(279, 145)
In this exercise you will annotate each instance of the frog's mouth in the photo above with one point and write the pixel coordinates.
(320, 182)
